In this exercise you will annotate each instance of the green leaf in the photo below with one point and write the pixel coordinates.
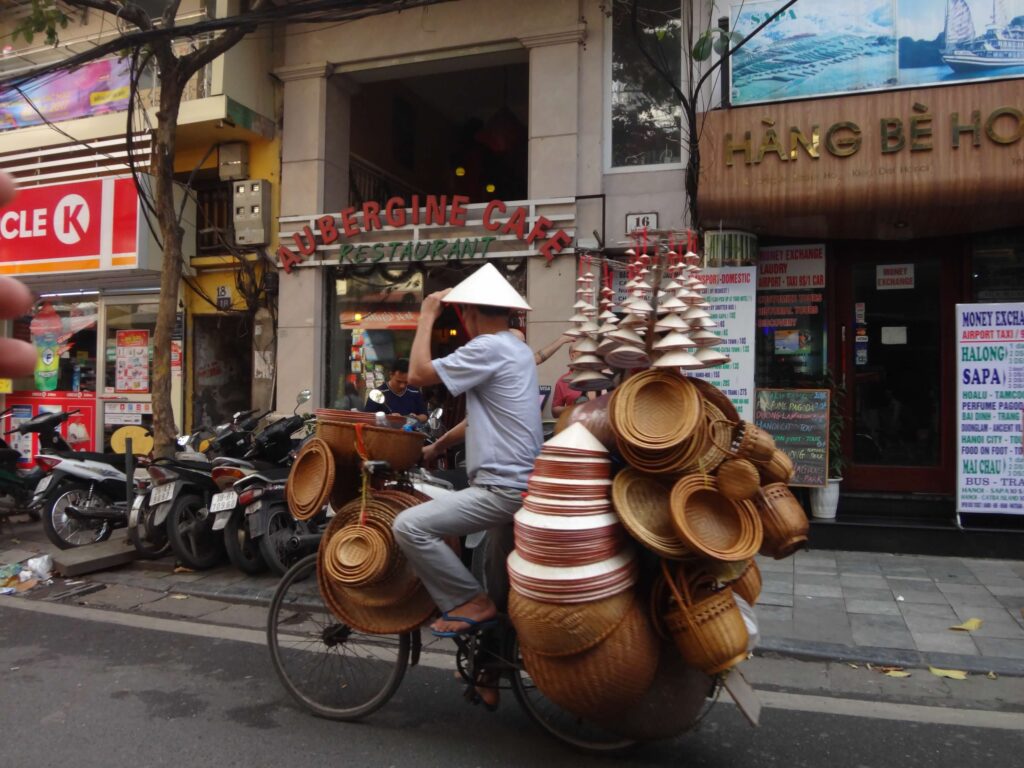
(702, 48)
(660, 33)
(29, 34)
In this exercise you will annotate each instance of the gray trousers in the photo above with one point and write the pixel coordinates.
(420, 531)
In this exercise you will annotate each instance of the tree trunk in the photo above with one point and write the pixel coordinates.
(171, 233)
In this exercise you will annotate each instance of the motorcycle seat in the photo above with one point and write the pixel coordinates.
(113, 459)
(9, 456)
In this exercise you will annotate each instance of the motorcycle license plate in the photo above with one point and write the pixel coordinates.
(161, 494)
(223, 501)
(221, 520)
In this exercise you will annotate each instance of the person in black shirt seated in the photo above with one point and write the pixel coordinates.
(399, 397)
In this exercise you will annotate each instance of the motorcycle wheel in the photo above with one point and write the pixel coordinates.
(150, 541)
(242, 549)
(195, 543)
(66, 532)
(274, 543)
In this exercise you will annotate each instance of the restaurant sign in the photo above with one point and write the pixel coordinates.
(460, 231)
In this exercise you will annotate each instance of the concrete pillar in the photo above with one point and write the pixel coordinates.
(553, 172)
(314, 180)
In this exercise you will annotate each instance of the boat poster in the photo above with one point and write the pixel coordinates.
(823, 47)
(990, 408)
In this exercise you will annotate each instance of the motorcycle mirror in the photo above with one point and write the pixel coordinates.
(376, 396)
(303, 397)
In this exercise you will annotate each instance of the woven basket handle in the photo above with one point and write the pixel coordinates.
(711, 436)
(686, 600)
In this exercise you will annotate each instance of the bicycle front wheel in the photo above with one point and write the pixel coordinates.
(331, 669)
(578, 733)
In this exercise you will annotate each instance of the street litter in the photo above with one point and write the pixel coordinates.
(40, 566)
(952, 674)
(179, 597)
(182, 569)
(992, 676)
(968, 626)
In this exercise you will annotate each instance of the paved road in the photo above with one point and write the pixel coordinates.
(87, 688)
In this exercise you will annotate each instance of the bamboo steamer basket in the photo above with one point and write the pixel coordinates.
(605, 680)
(778, 469)
(784, 521)
(707, 626)
(550, 629)
(738, 479)
(711, 525)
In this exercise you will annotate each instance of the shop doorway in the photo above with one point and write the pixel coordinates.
(896, 309)
(222, 376)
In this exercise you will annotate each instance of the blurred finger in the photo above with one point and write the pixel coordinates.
(15, 298)
(17, 358)
(6, 189)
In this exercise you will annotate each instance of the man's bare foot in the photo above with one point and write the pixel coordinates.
(481, 608)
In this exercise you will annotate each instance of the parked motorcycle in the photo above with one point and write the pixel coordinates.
(84, 496)
(17, 486)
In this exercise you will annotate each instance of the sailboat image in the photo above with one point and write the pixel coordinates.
(1001, 45)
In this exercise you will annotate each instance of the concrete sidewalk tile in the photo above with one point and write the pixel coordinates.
(860, 593)
(951, 642)
(818, 558)
(918, 585)
(880, 631)
(775, 599)
(915, 596)
(806, 605)
(817, 590)
(989, 601)
(770, 565)
(773, 584)
(250, 616)
(814, 571)
(122, 597)
(863, 581)
(996, 622)
(951, 590)
(1007, 590)
(775, 613)
(998, 646)
(822, 626)
(192, 607)
(873, 607)
(905, 572)
(928, 611)
(1012, 603)
(861, 569)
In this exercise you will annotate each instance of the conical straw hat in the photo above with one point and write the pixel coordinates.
(710, 357)
(585, 381)
(577, 437)
(486, 286)
(585, 345)
(626, 335)
(674, 340)
(678, 358)
(671, 322)
(705, 338)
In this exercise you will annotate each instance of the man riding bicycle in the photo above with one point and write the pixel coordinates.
(496, 370)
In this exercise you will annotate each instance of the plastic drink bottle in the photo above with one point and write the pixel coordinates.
(46, 328)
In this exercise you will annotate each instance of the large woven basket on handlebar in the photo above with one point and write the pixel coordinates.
(310, 480)
(352, 442)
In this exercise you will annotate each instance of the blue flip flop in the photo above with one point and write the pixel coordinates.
(473, 628)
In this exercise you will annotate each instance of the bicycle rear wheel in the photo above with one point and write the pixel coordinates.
(331, 669)
(578, 733)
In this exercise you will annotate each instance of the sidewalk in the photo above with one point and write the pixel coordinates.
(830, 605)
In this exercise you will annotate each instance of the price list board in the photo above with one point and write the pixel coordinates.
(990, 408)
(798, 420)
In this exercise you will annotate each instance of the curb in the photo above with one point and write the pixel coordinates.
(812, 650)
(808, 650)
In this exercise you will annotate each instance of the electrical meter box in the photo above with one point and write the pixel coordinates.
(251, 211)
(233, 161)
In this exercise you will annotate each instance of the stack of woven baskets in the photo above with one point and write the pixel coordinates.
(585, 635)
(362, 574)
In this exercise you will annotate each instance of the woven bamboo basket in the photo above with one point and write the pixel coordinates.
(716, 397)
(778, 469)
(748, 585)
(310, 480)
(707, 627)
(711, 525)
(738, 479)
(753, 443)
(642, 504)
(399, 448)
(550, 629)
(605, 680)
(783, 519)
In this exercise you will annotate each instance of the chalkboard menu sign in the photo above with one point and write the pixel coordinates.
(798, 420)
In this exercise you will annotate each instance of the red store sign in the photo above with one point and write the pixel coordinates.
(429, 210)
(82, 226)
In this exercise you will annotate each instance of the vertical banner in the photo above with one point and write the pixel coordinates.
(990, 408)
(731, 293)
(132, 363)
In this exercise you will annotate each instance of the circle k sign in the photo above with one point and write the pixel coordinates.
(71, 219)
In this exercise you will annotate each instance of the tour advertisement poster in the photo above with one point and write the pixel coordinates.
(731, 292)
(990, 407)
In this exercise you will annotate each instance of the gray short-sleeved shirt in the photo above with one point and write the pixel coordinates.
(503, 437)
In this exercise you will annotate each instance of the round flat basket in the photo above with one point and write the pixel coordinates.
(655, 410)
(642, 504)
(605, 680)
(712, 525)
(712, 394)
(310, 480)
(784, 521)
(551, 629)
